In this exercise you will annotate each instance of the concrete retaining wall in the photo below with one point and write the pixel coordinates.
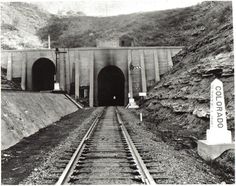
(24, 113)
(155, 61)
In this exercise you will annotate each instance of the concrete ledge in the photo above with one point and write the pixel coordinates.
(209, 152)
(24, 113)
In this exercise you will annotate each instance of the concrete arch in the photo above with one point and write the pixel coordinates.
(111, 86)
(43, 71)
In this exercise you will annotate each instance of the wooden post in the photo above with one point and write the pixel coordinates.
(129, 74)
(77, 61)
(9, 67)
(156, 66)
(91, 79)
(49, 42)
(23, 73)
(143, 72)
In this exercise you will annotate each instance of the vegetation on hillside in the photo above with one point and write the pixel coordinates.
(168, 27)
(178, 106)
(19, 24)
(21, 21)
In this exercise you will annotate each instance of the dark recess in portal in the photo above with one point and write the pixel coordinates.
(43, 75)
(111, 86)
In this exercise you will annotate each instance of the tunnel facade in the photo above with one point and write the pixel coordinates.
(43, 72)
(78, 70)
(111, 83)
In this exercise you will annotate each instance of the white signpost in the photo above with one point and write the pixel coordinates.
(218, 138)
(56, 86)
(218, 132)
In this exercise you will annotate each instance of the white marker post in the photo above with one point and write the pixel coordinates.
(218, 132)
(56, 86)
(218, 138)
(141, 116)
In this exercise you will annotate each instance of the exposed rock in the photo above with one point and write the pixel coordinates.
(225, 164)
(202, 99)
(202, 112)
(185, 111)
(6, 84)
(177, 108)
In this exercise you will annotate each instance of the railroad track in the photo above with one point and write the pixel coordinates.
(106, 155)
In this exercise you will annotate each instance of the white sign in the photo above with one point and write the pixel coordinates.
(218, 133)
(56, 86)
(142, 93)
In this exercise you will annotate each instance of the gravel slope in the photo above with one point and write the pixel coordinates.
(177, 166)
(31, 160)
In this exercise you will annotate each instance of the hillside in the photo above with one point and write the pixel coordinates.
(23, 24)
(179, 105)
(6, 84)
(169, 27)
(19, 24)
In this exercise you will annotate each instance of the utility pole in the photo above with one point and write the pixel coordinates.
(49, 42)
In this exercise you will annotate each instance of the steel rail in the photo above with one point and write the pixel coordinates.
(64, 178)
(145, 175)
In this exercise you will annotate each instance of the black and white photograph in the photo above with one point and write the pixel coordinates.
(117, 92)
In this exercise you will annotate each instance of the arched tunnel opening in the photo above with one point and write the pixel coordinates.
(43, 75)
(111, 82)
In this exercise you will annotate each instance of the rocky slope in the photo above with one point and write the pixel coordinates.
(6, 84)
(19, 23)
(179, 104)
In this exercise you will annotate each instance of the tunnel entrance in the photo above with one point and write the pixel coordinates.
(111, 86)
(43, 75)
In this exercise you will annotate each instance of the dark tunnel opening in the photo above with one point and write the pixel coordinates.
(43, 75)
(111, 86)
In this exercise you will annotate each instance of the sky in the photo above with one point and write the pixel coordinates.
(112, 7)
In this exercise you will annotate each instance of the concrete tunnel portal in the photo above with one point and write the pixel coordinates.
(111, 86)
(43, 72)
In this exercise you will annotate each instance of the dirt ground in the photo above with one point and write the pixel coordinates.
(19, 161)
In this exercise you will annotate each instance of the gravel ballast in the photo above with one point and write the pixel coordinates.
(175, 166)
(33, 161)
